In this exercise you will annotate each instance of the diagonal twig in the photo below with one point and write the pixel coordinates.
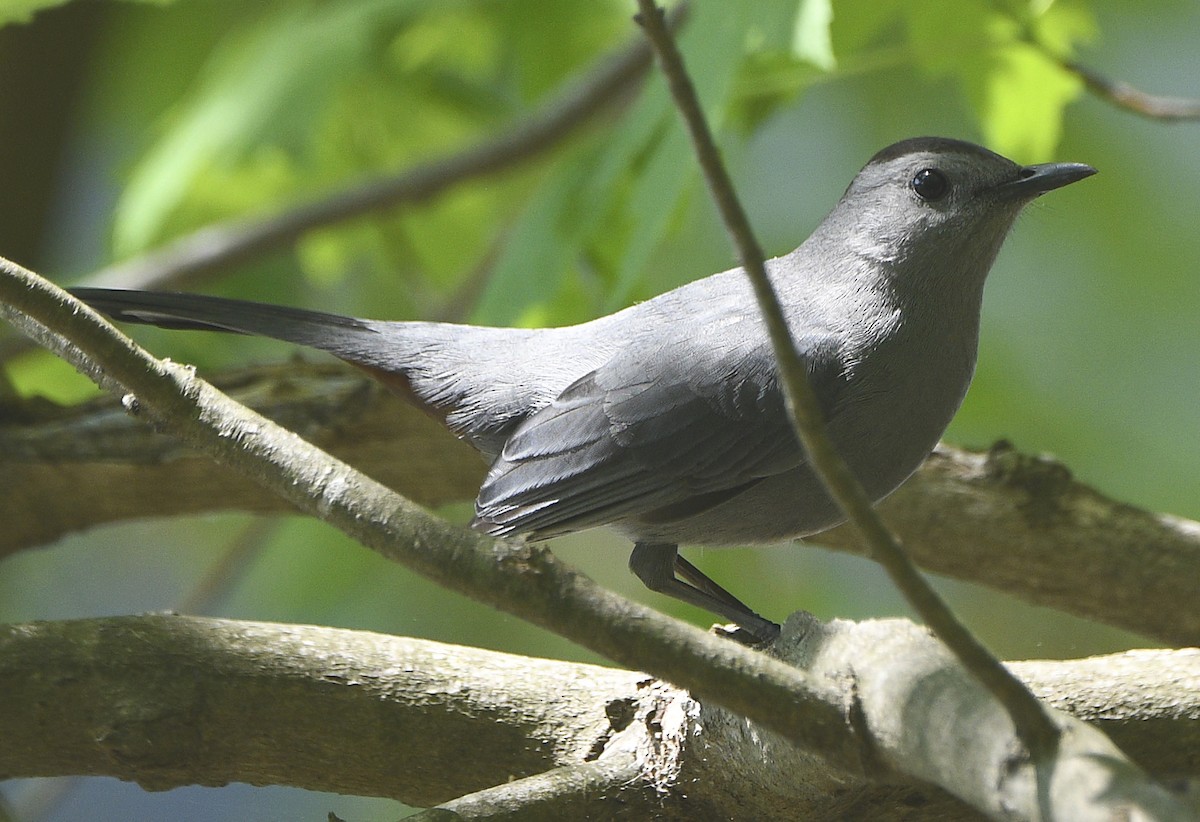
(1116, 92)
(1123, 95)
(1036, 728)
(576, 791)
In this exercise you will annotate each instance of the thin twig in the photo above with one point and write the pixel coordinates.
(1116, 92)
(462, 302)
(1034, 725)
(229, 569)
(1123, 95)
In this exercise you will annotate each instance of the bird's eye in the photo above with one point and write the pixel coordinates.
(930, 184)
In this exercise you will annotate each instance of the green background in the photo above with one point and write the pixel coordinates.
(125, 124)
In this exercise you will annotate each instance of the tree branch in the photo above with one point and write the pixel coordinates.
(1011, 521)
(168, 700)
(606, 789)
(1115, 92)
(1124, 96)
(522, 580)
(135, 472)
(528, 582)
(1021, 523)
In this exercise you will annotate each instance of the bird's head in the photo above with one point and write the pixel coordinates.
(932, 207)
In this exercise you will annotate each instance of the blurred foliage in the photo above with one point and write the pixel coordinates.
(293, 98)
(191, 112)
(22, 11)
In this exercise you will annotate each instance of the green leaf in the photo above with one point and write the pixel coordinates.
(267, 85)
(22, 11)
(1019, 96)
(712, 48)
(1061, 26)
(858, 24)
(541, 250)
(578, 221)
(954, 38)
(766, 81)
(1017, 92)
(811, 38)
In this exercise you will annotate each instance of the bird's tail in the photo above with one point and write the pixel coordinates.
(339, 335)
(479, 381)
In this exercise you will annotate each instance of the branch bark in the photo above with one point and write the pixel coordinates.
(1002, 518)
(1087, 775)
(168, 700)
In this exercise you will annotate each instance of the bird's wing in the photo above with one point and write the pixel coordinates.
(665, 433)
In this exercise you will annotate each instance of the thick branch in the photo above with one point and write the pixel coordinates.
(49, 453)
(1008, 520)
(1023, 524)
(170, 700)
(524, 581)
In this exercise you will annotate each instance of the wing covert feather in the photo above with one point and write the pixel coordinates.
(694, 424)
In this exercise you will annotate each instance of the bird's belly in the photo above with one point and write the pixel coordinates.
(883, 453)
(782, 507)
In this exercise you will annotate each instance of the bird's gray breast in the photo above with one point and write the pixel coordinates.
(896, 385)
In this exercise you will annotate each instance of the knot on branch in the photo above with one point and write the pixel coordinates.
(1043, 478)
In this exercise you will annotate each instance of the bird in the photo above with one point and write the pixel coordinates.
(666, 420)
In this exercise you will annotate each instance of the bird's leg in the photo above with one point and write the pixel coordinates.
(655, 564)
(699, 579)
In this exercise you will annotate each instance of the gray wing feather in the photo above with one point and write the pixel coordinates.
(686, 428)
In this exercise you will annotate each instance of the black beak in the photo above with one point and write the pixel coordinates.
(1034, 180)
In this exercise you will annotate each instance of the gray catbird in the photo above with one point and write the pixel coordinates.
(665, 420)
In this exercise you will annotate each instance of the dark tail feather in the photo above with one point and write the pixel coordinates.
(334, 333)
(451, 371)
